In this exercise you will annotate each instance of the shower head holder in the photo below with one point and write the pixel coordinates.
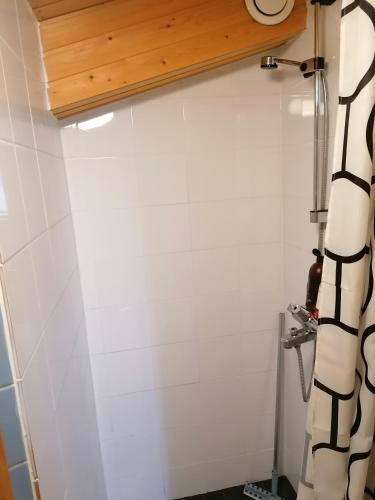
(323, 2)
(307, 67)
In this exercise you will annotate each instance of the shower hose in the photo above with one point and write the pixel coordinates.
(306, 391)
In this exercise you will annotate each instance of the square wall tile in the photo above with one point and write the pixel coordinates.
(5, 372)
(219, 357)
(185, 481)
(119, 282)
(226, 472)
(210, 124)
(137, 487)
(161, 178)
(63, 250)
(13, 226)
(29, 31)
(102, 183)
(260, 309)
(24, 305)
(41, 418)
(123, 372)
(216, 270)
(54, 184)
(214, 224)
(262, 266)
(210, 175)
(258, 121)
(259, 351)
(222, 400)
(184, 446)
(168, 276)
(260, 219)
(165, 229)
(5, 126)
(221, 441)
(99, 135)
(124, 457)
(132, 326)
(32, 190)
(217, 315)
(21, 482)
(9, 26)
(158, 125)
(259, 171)
(10, 427)
(46, 275)
(19, 105)
(180, 406)
(129, 414)
(46, 126)
(175, 364)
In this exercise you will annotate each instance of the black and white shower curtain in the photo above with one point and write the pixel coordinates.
(339, 459)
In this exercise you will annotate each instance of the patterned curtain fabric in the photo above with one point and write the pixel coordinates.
(339, 461)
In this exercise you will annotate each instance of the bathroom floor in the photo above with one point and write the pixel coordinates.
(286, 492)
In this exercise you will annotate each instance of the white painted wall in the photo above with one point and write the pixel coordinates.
(41, 273)
(178, 214)
(300, 237)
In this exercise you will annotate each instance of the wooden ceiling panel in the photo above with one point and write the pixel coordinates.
(47, 9)
(106, 52)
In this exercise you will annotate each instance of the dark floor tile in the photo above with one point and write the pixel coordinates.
(214, 495)
(286, 491)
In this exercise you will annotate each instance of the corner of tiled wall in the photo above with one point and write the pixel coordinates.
(11, 432)
(40, 271)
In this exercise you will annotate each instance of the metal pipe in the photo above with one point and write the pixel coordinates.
(324, 170)
(316, 139)
(316, 29)
(290, 62)
(279, 371)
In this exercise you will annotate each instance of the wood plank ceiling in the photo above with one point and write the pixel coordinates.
(101, 51)
(46, 9)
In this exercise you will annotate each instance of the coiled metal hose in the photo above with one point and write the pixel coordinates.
(306, 392)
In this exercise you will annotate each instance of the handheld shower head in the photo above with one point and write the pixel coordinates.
(268, 62)
(272, 62)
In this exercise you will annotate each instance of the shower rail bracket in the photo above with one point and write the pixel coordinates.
(323, 2)
(311, 66)
(318, 216)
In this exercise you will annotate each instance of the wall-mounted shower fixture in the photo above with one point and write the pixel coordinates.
(299, 336)
(308, 316)
(307, 68)
(314, 66)
(307, 332)
(323, 2)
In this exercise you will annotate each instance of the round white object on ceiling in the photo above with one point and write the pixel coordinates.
(270, 11)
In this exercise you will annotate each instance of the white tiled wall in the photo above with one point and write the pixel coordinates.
(190, 210)
(300, 237)
(41, 272)
(178, 214)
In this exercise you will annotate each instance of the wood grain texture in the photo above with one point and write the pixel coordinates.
(46, 9)
(106, 52)
(6, 492)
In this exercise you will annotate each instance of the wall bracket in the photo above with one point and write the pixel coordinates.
(323, 2)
